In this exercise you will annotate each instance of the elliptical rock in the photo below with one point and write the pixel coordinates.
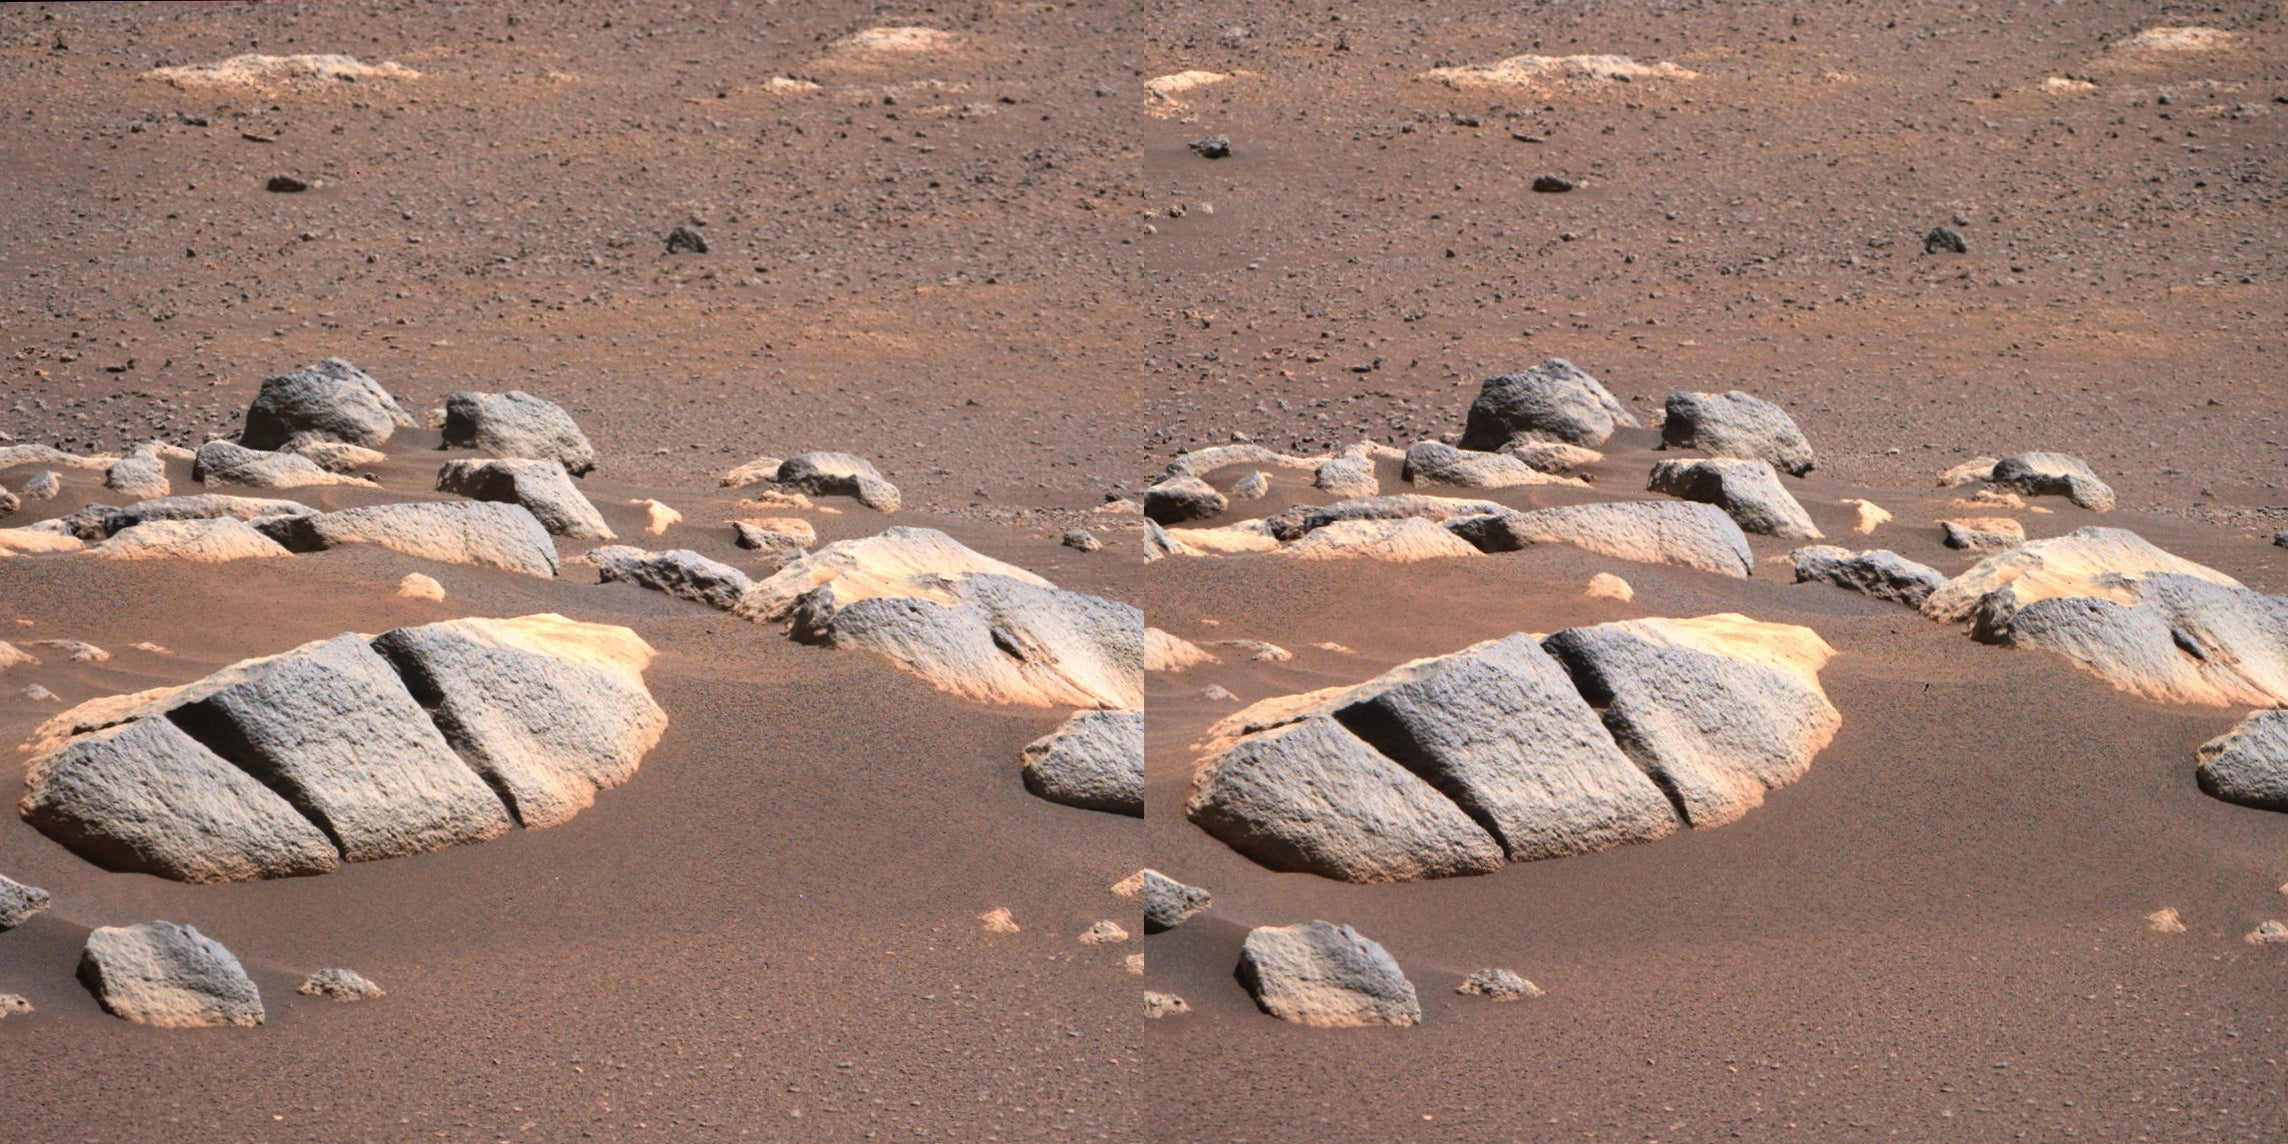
(332, 400)
(1736, 425)
(1094, 761)
(167, 975)
(517, 424)
(1553, 401)
(1326, 976)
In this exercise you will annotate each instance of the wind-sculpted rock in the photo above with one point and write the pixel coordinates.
(1293, 523)
(2084, 562)
(679, 572)
(1736, 425)
(332, 400)
(1553, 401)
(1178, 499)
(542, 487)
(1326, 976)
(1880, 573)
(1717, 709)
(517, 424)
(2164, 636)
(1402, 541)
(842, 475)
(1430, 462)
(18, 902)
(483, 533)
(170, 976)
(221, 462)
(2054, 474)
(213, 541)
(1749, 491)
(1654, 532)
(1094, 761)
(2247, 765)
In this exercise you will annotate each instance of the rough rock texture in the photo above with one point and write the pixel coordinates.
(1553, 401)
(1081, 540)
(1327, 976)
(332, 400)
(2246, 765)
(679, 572)
(1498, 985)
(1106, 932)
(336, 456)
(1879, 572)
(2054, 474)
(1983, 533)
(1348, 474)
(1748, 490)
(195, 541)
(1401, 541)
(482, 533)
(542, 487)
(1178, 499)
(37, 541)
(339, 985)
(171, 976)
(1094, 761)
(517, 424)
(1736, 425)
(842, 475)
(1201, 462)
(1293, 523)
(96, 521)
(1311, 796)
(221, 462)
(1717, 709)
(549, 710)
(142, 473)
(763, 468)
(2165, 636)
(18, 902)
(1168, 903)
(1552, 456)
(1252, 486)
(1970, 471)
(2080, 563)
(1430, 462)
(1654, 532)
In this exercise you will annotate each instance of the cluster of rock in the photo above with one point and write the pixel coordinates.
(348, 749)
(1519, 749)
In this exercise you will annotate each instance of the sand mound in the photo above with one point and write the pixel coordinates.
(260, 71)
(1531, 71)
(2189, 39)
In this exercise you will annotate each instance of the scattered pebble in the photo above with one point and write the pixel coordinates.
(12, 1005)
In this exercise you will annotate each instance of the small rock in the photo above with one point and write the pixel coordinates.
(1552, 184)
(840, 474)
(417, 586)
(1168, 903)
(679, 572)
(1081, 539)
(1606, 586)
(1156, 1005)
(1944, 240)
(1348, 474)
(1983, 533)
(2270, 933)
(1258, 650)
(2164, 920)
(142, 473)
(1554, 457)
(227, 463)
(998, 921)
(1178, 499)
(1870, 516)
(1212, 147)
(1094, 761)
(171, 976)
(9, 502)
(18, 902)
(39, 694)
(340, 985)
(1134, 964)
(541, 486)
(684, 240)
(658, 517)
(285, 185)
(1326, 976)
(763, 468)
(2280, 538)
(44, 485)
(2248, 765)
(1217, 693)
(13, 656)
(335, 456)
(1106, 932)
(1251, 486)
(1736, 424)
(1498, 985)
(775, 534)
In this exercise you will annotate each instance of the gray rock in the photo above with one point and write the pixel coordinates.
(18, 902)
(96, 522)
(542, 487)
(1498, 985)
(1348, 474)
(1169, 903)
(339, 985)
(1716, 731)
(1880, 573)
(333, 400)
(1311, 796)
(1179, 499)
(44, 485)
(1945, 240)
(1982, 533)
(335, 456)
(221, 462)
(842, 475)
(679, 572)
(1553, 401)
(2079, 563)
(2247, 765)
(2055, 474)
(1654, 532)
(1498, 728)
(1430, 462)
(482, 533)
(1555, 457)
(2172, 638)
(1251, 486)
(1736, 425)
(144, 797)
(170, 976)
(194, 541)
(1081, 540)
(2280, 538)
(1326, 976)
(549, 710)
(1748, 490)
(1094, 761)
(142, 473)
(517, 424)
(1301, 520)
(994, 639)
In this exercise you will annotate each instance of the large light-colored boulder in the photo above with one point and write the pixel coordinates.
(1402, 541)
(171, 976)
(1880, 573)
(2054, 474)
(222, 462)
(97, 521)
(679, 572)
(542, 487)
(1736, 425)
(2246, 765)
(1717, 709)
(332, 400)
(1326, 976)
(212, 541)
(1747, 490)
(2165, 636)
(1094, 760)
(1654, 532)
(2089, 561)
(482, 533)
(1436, 463)
(549, 710)
(842, 475)
(517, 424)
(18, 902)
(1293, 523)
(1553, 401)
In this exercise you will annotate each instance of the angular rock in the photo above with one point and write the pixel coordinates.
(1749, 491)
(549, 710)
(1348, 474)
(1498, 985)
(1870, 515)
(18, 902)
(775, 534)
(12, 1005)
(517, 424)
(97, 521)
(1325, 976)
(1168, 903)
(1717, 709)
(2273, 932)
(2054, 474)
(482, 533)
(339, 985)
(1178, 499)
(1158, 545)
(763, 468)
(212, 541)
(1552, 456)
(1879, 572)
(1311, 796)
(1401, 541)
(2084, 562)
(1094, 761)
(1106, 932)
(142, 473)
(1293, 523)
(332, 400)
(1081, 540)
(542, 487)
(1252, 486)
(1553, 401)
(1654, 532)
(1983, 533)
(1736, 425)
(2247, 765)
(679, 572)
(226, 463)
(1944, 240)
(2165, 636)
(170, 976)
(1430, 462)
(842, 475)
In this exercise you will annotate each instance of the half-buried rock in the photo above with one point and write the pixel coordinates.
(171, 976)
(1401, 541)
(1326, 976)
(2249, 764)
(332, 400)
(1748, 490)
(212, 541)
(679, 572)
(542, 487)
(1436, 463)
(1553, 401)
(2054, 474)
(221, 462)
(1094, 761)
(2165, 636)
(1879, 572)
(1653, 532)
(843, 475)
(1736, 425)
(482, 533)
(517, 424)
(2085, 562)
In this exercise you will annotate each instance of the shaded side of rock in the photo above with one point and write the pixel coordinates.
(1431, 462)
(1178, 499)
(2168, 637)
(1736, 425)
(2247, 765)
(840, 474)
(18, 902)
(226, 463)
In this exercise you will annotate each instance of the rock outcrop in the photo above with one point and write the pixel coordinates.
(1553, 401)
(1094, 761)
(1747, 490)
(517, 424)
(1349, 473)
(1326, 976)
(842, 475)
(2054, 474)
(2247, 765)
(482, 533)
(1879, 572)
(542, 487)
(1653, 532)
(2164, 636)
(332, 401)
(171, 976)
(1736, 425)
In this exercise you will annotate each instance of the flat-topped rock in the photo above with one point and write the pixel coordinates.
(1880, 573)
(2247, 765)
(1432, 462)
(1693, 535)
(18, 902)
(542, 487)
(1094, 761)
(168, 975)
(2089, 561)
(222, 462)
(211, 541)
(1747, 490)
(1326, 976)
(1201, 462)
(517, 424)
(2054, 474)
(842, 475)
(142, 472)
(1349, 473)
(1736, 425)
(482, 533)
(1292, 524)
(332, 400)
(1401, 541)
(1553, 401)
(1181, 498)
